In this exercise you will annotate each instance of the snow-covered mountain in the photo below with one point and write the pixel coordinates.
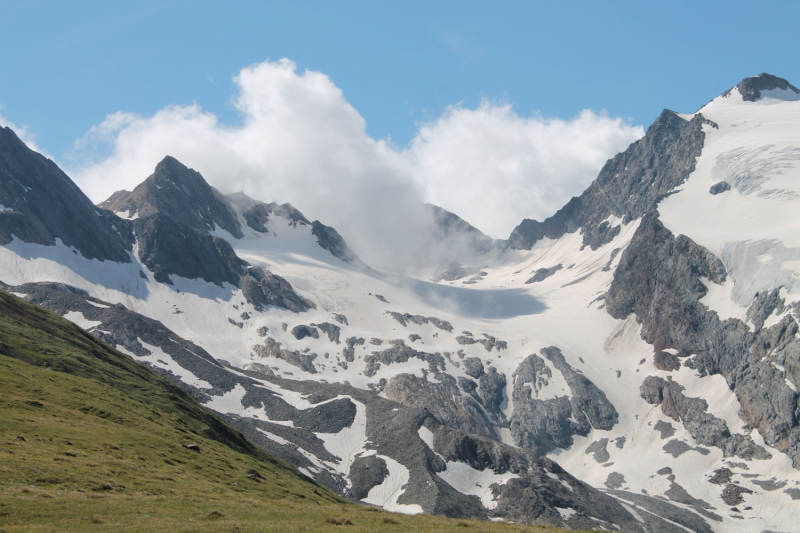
(631, 363)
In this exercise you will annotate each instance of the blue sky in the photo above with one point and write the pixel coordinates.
(497, 111)
(66, 65)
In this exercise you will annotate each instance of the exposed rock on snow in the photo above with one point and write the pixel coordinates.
(750, 88)
(629, 185)
(543, 273)
(658, 279)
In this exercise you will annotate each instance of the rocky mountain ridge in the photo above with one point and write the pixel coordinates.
(609, 341)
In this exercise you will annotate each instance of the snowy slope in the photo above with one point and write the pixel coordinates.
(516, 304)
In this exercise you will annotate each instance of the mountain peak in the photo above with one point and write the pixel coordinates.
(177, 192)
(750, 88)
(39, 204)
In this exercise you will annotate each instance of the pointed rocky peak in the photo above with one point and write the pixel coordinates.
(39, 203)
(180, 193)
(765, 85)
(630, 184)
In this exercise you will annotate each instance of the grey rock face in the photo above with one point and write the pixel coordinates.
(488, 342)
(614, 480)
(349, 351)
(331, 330)
(719, 188)
(400, 353)
(341, 319)
(599, 449)
(302, 331)
(262, 288)
(179, 193)
(42, 204)
(444, 400)
(492, 390)
(732, 494)
(201, 256)
(661, 510)
(629, 185)
(365, 474)
(658, 279)
(588, 399)
(543, 273)
(666, 361)
(272, 348)
(750, 88)
(329, 239)
(544, 425)
(541, 425)
(538, 486)
(704, 427)
(404, 319)
(473, 367)
(764, 304)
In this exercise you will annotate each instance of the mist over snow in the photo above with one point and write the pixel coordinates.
(300, 141)
(494, 168)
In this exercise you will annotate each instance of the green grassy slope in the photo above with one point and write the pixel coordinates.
(92, 441)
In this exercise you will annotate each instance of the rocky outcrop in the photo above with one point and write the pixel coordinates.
(39, 204)
(331, 330)
(719, 188)
(543, 273)
(488, 342)
(365, 474)
(302, 331)
(586, 396)
(179, 193)
(666, 361)
(546, 424)
(349, 351)
(492, 393)
(272, 348)
(167, 247)
(629, 185)
(443, 399)
(704, 427)
(658, 280)
(404, 319)
(400, 353)
(329, 239)
(262, 288)
(473, 367)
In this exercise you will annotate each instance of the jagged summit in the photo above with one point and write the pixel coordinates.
(750, 88)
(39, 203)
(179, 193)
(629, 185)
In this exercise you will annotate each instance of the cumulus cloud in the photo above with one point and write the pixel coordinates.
(300, 141)
(495, 168)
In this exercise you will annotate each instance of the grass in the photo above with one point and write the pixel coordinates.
(91, 441)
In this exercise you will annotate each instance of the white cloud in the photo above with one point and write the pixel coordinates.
(494, 168)
(24, 135)
(300, 141)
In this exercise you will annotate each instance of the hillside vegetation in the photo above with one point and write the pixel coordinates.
(92, 441)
